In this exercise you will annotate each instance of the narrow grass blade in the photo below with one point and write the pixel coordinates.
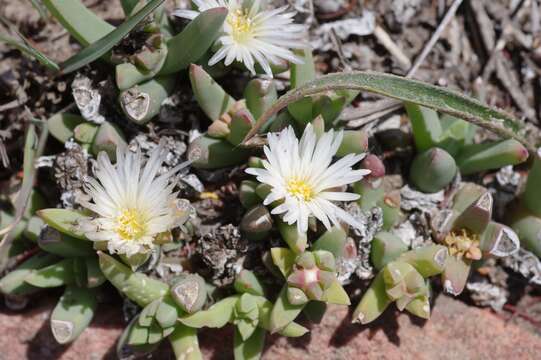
(407, 90)
(27, 49)
(106, 43)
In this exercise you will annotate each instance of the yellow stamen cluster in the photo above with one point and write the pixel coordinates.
(300, 189)
(130, 224)
(462, 244)
(241, 25)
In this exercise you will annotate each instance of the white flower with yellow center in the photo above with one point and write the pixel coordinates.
(253, 35)
(304, 180)
(132, 203)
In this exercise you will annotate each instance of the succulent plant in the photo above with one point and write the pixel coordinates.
(148, 58)
(445, 146)
(469, 233)
(64, 258)
(249, 311)
(310, 276)
(404, 280)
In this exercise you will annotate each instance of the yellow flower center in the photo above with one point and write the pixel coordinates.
(462, 244)
(130, 224)
(241, 25)
(300, 189)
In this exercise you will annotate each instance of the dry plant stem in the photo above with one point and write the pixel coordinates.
(366, 116)
(385, 39)
(392, 105)
(22, 201)
(435, 37)
(500, 44)
(426, 95)
(339, 50)
(536, 19)
(510, 82)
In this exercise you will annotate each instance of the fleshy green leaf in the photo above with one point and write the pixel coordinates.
(336, 294)
(283, 313)
(63, 220)
(13, 283)
(138, 287)
(284, 259)
(251, 348)
(73, 313)
(189, 45)
(62, 125)
(374, 302)
(216, 316)
(185, 343)
(54, 275)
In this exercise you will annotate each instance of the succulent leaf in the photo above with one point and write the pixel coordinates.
(189, 291)
(427, 260)
(432, 170)
(216, 316)
(373, 303)
(137, 287)
(63, 220)
(247, 282)
(333, 240)
(210, 153)
(61, 273)
(250, 348)
(297, 241)
(14, 282)
(54, 242)
(480, 157)
(386, 247)
(73, 313)
(185, 343)
(283, 312)
(425, 124)
(214, 101)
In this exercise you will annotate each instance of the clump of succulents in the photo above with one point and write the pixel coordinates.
(303, 169)
(445, 146)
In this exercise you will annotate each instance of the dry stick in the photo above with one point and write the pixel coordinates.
(501, 43)
(385, 39)
(435, 37)
(511, 84)
(340, 51)
(535, 18)
(391, 105)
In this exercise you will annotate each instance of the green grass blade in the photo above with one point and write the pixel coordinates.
(407, 90)
(103, 45)
(27, 49)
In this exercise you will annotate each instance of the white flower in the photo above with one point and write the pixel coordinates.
(301, 174)
(253, 35)
(131, 202)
